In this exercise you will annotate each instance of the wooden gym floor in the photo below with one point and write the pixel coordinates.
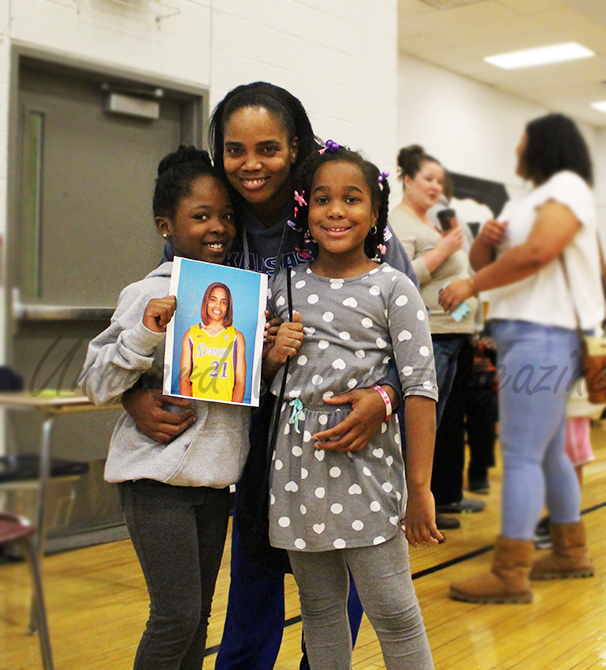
(97, 604)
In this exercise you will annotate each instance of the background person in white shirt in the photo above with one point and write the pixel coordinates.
(541, 260)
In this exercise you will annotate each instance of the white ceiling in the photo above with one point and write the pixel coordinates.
(459, 38)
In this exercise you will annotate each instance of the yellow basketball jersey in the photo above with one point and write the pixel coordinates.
(213, 363)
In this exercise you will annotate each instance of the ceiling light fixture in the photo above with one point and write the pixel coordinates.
(556, 53)
(601, 106)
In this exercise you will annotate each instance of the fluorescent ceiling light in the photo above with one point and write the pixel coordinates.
(599, 105)
(541, 56)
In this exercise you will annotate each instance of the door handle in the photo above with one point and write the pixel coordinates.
(35, 312)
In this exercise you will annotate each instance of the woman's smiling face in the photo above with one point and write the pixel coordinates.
(217, 306)
(258, 157)
(424, 190)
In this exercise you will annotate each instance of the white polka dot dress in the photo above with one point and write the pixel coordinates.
(354, 329)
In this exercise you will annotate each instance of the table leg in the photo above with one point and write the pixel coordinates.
(39, 538)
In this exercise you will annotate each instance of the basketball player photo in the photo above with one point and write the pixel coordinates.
(214, 342)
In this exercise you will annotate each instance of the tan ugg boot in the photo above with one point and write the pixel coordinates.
(569, 556)
(507, 582)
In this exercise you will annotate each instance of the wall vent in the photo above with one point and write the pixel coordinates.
(450, 4)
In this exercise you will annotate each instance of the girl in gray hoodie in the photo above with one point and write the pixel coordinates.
(175, 496)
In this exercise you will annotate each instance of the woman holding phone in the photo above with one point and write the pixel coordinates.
(437, 258)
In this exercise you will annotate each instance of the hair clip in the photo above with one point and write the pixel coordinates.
(383, 176)
(300, 199)
(305, 254)
(331, 146)
(293, 225)
(382, 248)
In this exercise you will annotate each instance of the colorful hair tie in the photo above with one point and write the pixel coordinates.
(305, 254)
(331, 146)
(300, 199)
(383, 176)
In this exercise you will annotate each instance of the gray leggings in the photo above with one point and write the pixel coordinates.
(178, 533)
(382, 576)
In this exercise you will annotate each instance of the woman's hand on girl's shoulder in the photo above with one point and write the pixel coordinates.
(159, 312)
(420, 518)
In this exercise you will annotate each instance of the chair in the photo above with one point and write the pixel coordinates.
(12, 529)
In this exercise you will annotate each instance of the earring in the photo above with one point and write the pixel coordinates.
(373, 231)
(164, 235)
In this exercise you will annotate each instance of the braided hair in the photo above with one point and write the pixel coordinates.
(176, 173)
(374, 179)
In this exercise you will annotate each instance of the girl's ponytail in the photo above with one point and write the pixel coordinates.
(378, 241)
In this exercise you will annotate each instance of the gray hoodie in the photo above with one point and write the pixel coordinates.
(211, 452)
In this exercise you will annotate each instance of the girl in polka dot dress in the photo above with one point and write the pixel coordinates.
(333, 510)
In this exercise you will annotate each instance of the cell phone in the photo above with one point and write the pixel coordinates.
(461, 311)
(445, 218)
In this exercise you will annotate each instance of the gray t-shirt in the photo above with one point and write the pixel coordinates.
(353, 327)
(418, 238)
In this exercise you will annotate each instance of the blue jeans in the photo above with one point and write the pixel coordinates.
(254, 622)
(538, 366)
(445, 352)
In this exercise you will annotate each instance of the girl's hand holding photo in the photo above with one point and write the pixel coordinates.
(159, 312)
(288, 341)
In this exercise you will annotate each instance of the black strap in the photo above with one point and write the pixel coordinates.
(271, 445)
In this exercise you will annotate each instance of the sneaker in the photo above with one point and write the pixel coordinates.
(464, 506)
(541, 537)
(446, 522)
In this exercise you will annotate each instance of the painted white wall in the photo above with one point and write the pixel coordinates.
(471, 127)
(599, 158)
(338, 56)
